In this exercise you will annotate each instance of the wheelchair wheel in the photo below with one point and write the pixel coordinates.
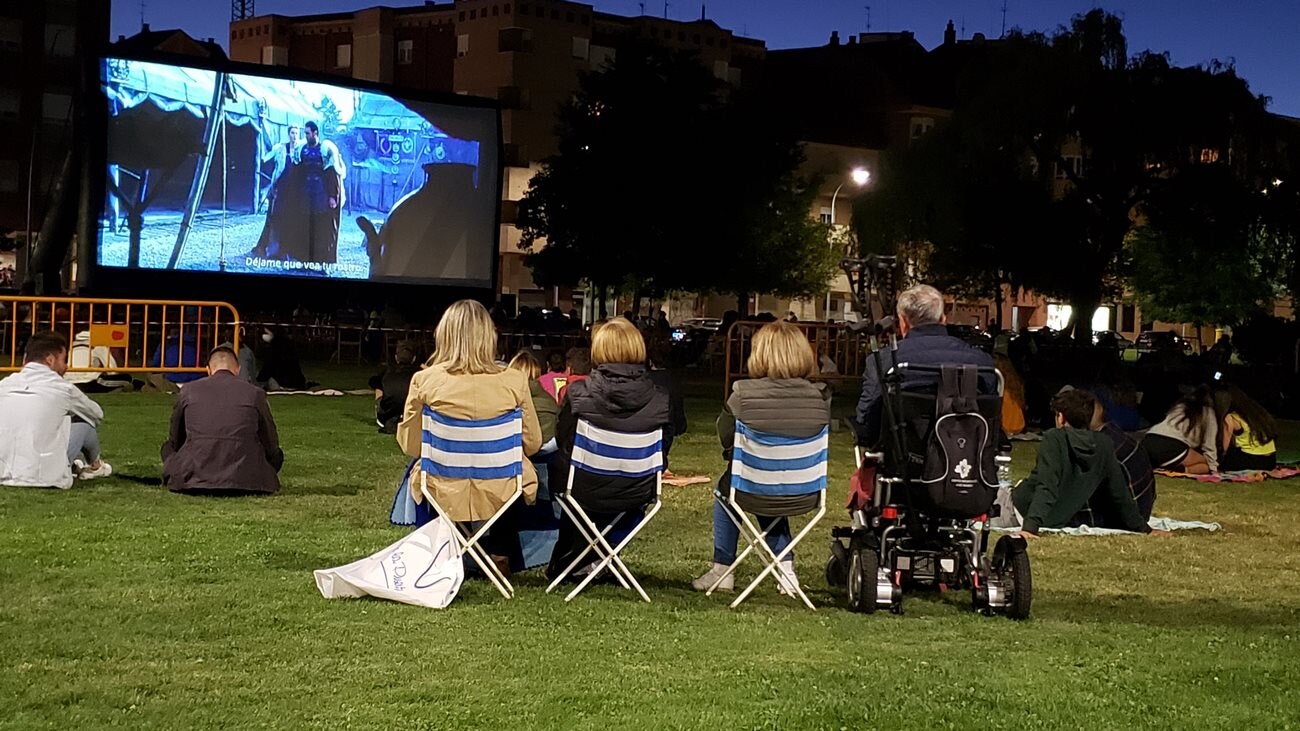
(1011, 564)
(837, 565)
(864, 567)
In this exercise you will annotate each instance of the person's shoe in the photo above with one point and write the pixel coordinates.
(103, 470)
(786, 580)
(705, 582)
(78, 466)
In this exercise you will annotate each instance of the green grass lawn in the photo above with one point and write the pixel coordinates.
(126, 606)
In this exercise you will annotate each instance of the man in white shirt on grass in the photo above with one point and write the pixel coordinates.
(48, 427)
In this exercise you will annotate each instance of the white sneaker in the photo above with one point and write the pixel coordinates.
(705, 582)
(104, 470)
(78, 466)
(786, 580)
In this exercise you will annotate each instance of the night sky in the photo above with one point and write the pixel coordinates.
(1259, 35)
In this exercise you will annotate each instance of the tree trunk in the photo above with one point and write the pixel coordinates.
(998, 299)
(636, 302)
(604, 301)
(742, 304)
(1082, 305)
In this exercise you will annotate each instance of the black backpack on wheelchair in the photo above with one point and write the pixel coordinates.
(935, 486)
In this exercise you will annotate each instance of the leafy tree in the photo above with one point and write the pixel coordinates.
(663, 182)
(1206, 252)
(1056, 144)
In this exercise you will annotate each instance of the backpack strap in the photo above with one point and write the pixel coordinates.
(968, 389)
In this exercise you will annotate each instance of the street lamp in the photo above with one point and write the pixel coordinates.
(859, 176)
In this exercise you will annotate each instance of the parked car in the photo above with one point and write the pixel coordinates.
(1152, 341)
(701, 323)
(972, 335)
(1113, 338)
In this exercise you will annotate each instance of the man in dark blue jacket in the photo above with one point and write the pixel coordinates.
(925, 341)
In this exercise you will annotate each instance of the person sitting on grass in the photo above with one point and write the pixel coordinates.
(577, 366)
(1248, 436)
(1137, 470)
(48, 427)
(222, 437)
(391, 388)
(547, 409)
(1188, 438)
(1075, 467)
(777, 398)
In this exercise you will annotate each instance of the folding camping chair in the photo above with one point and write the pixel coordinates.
(769, 466)
(475, 449)
(619, 454)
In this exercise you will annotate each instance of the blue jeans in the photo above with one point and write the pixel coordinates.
(726, 535)
(83, 440)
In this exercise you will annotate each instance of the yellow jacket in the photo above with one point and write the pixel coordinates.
(479, 396)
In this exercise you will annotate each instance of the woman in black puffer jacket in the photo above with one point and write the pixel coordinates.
(777, 398)
(619, 396)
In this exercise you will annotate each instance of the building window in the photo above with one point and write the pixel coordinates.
(462, 16)
(920, 126)
(473, 15)
(405, 52)
(9, 176)
(462, 45)
(496, 10)
(506, 8)
(568, 17)
(1072, 164)
(517, 40)
(11, 34)
(10, 101)
(825, 215)
(581, 48)
(585, 19)
(1209, 155)
(681, 36)
(555, 14)
(343, 56)
(720, 69)
(55, 107)
(696, 38)
(275, 56)
(708, 41)
(523, 8)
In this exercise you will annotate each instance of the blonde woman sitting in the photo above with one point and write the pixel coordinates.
(463, 381)
(778, 398)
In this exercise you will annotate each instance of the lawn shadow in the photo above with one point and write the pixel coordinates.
(151, 480)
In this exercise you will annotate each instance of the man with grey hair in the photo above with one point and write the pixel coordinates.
(922, 327)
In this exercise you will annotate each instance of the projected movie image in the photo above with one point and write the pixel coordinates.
(219, 172)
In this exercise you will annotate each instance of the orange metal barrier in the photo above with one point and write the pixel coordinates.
(140, 336)
(841, 354)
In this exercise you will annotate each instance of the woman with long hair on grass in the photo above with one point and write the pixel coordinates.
(1188, 438)
(1248, 438)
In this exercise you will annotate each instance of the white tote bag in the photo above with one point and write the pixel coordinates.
(423, 569)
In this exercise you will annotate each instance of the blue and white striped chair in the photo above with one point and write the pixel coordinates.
(618, 454)
(769, 466)
(474, 449)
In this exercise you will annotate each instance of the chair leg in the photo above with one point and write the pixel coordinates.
(775, 558)
(467, 543)
(591, 544)
(613, 551)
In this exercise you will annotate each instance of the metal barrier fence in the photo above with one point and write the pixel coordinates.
(124, 336)
(841, 354)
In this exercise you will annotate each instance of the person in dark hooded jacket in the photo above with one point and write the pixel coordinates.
(620, 396)
(1074, 465)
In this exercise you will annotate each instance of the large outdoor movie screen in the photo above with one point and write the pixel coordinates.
(220, 172)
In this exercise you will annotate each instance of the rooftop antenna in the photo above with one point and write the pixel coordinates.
(1004, 19)
(665, 9)
(642, 7)
(868, 8)
(141, 14)
(703, 7)
(963, 27)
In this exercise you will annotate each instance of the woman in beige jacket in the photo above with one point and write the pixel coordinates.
(463, 381)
